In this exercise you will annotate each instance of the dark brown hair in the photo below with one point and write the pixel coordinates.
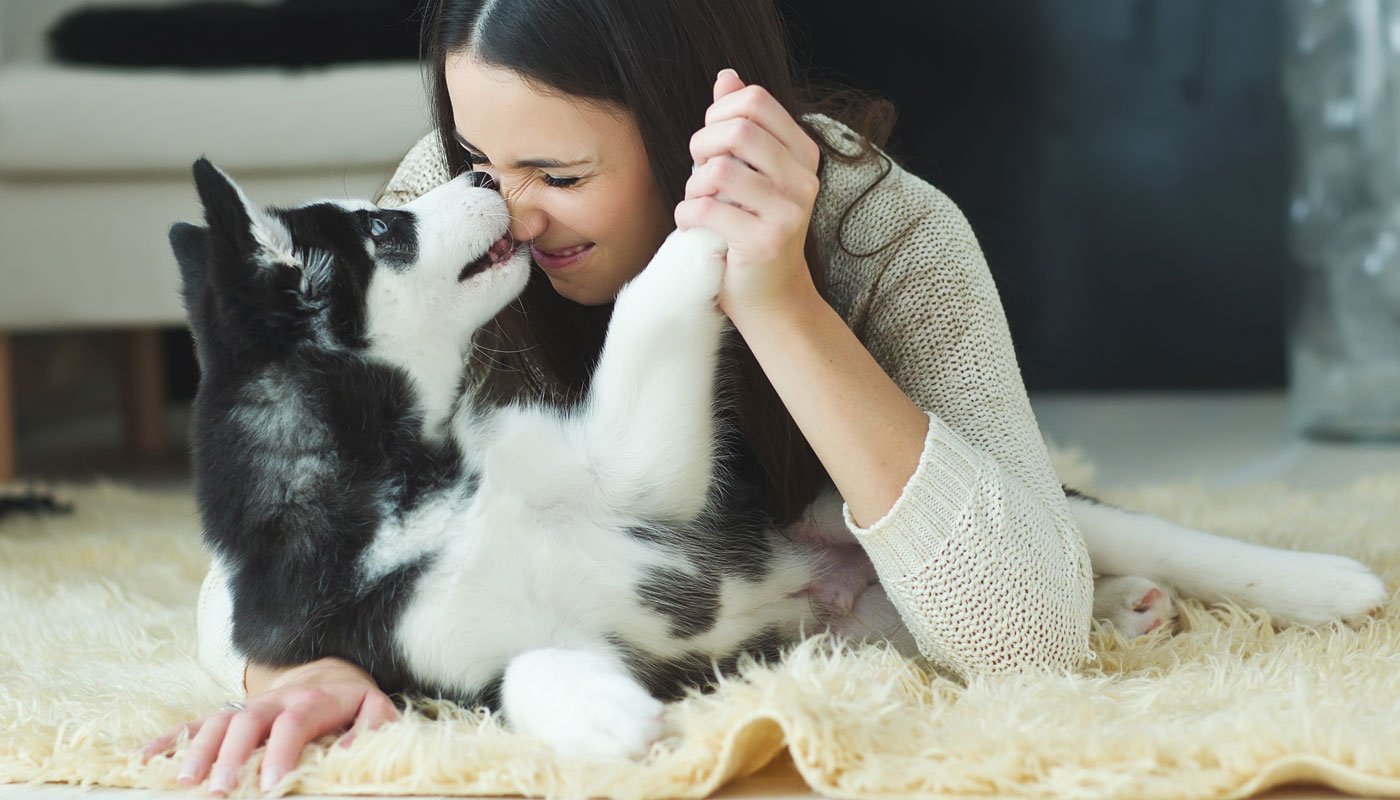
(658, 60)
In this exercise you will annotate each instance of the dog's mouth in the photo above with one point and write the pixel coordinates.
(499, 253)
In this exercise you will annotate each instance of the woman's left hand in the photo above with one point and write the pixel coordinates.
(770, 183)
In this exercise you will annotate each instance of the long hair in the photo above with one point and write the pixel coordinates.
(658, 60)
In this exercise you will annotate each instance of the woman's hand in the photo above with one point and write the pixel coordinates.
(770, 183)
(299, 705)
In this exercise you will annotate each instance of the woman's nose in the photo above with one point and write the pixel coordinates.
(526, 223)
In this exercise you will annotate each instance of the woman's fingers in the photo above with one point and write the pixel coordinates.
(313, 713)
(245, 732)
(162, 743)
(726, 82)
(747, 142)
(376, 710)
(756, 104)
(203, 747)
(724, 220)
(751, 190)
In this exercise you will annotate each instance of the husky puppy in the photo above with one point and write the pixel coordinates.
(570, 568)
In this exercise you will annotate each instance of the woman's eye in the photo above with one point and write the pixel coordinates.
(377, 227)
(476, 158)
(559, 183)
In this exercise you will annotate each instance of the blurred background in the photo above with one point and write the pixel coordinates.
(1131, 168)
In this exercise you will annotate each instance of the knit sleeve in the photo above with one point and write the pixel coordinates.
(979, 554)
(215, 622)
(423, 168)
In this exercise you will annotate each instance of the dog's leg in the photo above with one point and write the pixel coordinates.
(642, 443)
(648, 424)
(1294, 587)
(580, 702)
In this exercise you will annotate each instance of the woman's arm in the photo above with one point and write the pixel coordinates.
(972, 539)
(822, 372)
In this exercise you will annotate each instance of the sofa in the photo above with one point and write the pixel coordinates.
(95, 166)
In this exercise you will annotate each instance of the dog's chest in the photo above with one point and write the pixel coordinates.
(504, 583)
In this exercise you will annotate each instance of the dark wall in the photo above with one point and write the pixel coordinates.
(1123, 162)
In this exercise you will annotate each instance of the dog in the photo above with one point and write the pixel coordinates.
(571, 569)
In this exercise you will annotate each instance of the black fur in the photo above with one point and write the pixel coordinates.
(303, 449)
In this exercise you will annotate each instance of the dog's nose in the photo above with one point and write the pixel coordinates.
(483, 180)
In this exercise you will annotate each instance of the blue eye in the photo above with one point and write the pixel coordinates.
(377, 227)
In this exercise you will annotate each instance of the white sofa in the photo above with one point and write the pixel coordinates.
(95, 166)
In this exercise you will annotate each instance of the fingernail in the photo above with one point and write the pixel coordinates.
(726, 69)
(187, 771)
(222, 780)
(270, 779)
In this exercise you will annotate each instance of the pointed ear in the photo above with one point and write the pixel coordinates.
(191, 246)
(236, 221)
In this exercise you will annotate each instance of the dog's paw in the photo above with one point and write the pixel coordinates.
(1134, 606)
(581, 705)
(692, 263)
(1315, 589)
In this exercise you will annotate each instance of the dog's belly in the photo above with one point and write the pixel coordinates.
(506, 583)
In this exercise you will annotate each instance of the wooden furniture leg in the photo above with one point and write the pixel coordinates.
(143, 390)
(7, 411)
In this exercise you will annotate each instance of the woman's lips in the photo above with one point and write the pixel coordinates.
(559, 259)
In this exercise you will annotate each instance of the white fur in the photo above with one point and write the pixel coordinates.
(421, 317)
(543, 564)
(582, 702)
(535, 571)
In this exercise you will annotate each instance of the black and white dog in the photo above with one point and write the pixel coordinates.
(572, 569)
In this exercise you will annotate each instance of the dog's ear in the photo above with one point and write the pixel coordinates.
(191, 246)
(235, 222)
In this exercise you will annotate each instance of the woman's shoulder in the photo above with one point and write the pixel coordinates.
(872, 214)
(422, 169)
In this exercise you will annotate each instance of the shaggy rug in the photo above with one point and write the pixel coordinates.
(97, 656)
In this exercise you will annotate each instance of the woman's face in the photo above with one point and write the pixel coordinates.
(572, 173)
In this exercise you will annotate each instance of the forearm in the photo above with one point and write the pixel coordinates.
(864, 428)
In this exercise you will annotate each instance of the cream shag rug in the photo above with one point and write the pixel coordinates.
(97, 656)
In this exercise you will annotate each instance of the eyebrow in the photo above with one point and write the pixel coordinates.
(541, 163)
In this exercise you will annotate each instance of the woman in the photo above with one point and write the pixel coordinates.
(874, 351)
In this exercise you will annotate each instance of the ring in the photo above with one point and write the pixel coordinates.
(232, 705)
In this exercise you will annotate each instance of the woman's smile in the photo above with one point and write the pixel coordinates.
(562, 258)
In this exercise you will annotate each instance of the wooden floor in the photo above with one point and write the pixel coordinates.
(1224, 440)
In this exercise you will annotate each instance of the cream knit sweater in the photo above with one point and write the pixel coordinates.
(979, 554)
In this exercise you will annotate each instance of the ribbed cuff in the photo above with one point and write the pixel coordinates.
(214, 620)
(932, 502)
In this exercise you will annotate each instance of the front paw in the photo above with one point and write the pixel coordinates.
(691, 263)
(581, 705)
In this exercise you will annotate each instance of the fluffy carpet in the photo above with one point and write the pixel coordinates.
(98, 657)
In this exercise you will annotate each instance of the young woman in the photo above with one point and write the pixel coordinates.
(874, 351)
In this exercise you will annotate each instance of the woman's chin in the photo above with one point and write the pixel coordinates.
(584, 295)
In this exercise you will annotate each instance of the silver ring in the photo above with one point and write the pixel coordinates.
(232, 705)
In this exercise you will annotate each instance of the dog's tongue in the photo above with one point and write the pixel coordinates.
(501, 249)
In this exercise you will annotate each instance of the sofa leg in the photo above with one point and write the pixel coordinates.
(143, 390)
(7, 411)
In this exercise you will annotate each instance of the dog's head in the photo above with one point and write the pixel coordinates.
(400, 285)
